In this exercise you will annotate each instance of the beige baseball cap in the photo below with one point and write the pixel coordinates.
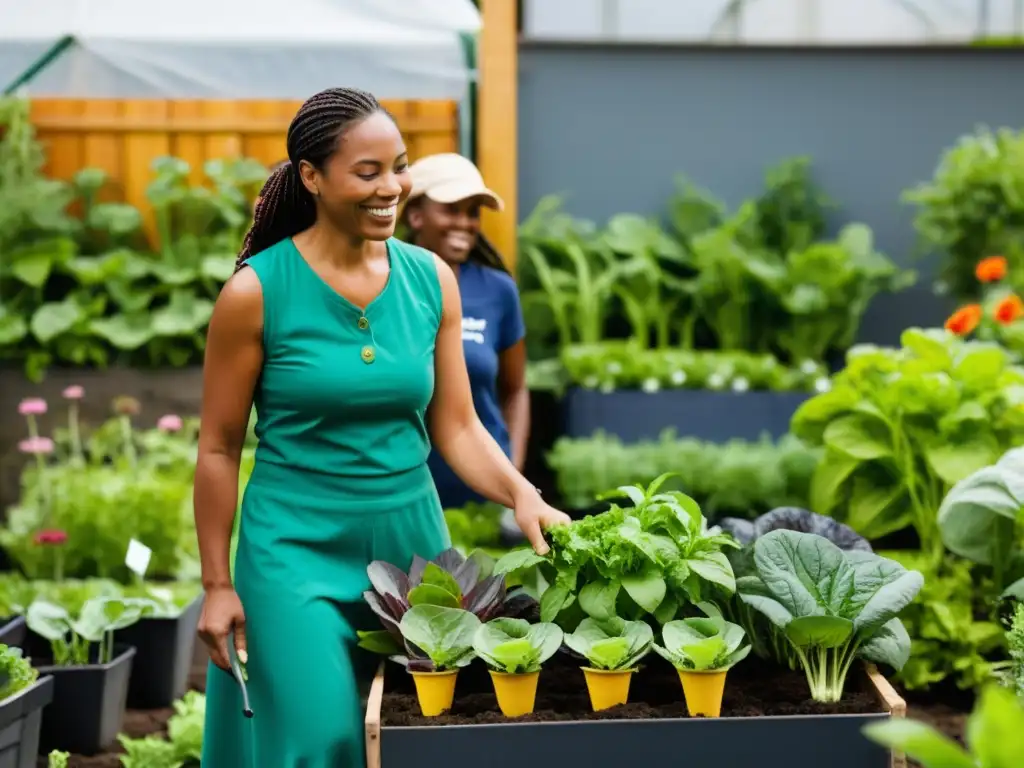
(448, 177)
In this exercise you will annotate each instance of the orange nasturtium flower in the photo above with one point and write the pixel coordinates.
(1009, 309)
(991, 269)
(964, 320)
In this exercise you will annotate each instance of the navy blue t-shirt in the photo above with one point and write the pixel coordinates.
(492, 321)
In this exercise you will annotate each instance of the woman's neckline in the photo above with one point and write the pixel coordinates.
(335, 294)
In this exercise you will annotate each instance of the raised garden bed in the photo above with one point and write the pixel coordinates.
(768, 721)
(21, 718)
(164, 650)
(716, 416)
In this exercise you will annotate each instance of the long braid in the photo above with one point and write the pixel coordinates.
(284, 206)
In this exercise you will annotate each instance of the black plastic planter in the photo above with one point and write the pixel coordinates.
(88, 705)
(715, 416)
(21, 718)
(163, 658)
(803, 741)
(12, 634)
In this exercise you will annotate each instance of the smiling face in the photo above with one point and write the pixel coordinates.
(361, 185)
(448, 229)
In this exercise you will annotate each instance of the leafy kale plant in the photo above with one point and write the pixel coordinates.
(515, 646)
(700, 644)
(831, 606)
(71, 639)
(614, 644)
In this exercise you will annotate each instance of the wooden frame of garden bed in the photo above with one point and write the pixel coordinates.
(892, 704)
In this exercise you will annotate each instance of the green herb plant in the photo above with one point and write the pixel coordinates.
(629, 562)
(57, 759)
(831, 606)
(900, 427)
(16, 672)
(516, 647)
(72, 638)
(973, 207)
(737, 477)
(184, 743)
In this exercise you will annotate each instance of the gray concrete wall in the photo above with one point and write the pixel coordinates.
(609, 126)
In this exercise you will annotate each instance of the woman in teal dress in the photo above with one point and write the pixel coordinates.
(349, 343)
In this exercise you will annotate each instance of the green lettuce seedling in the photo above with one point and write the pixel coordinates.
(515, 646)
(613, 644)
(703, 643)
(444, 635)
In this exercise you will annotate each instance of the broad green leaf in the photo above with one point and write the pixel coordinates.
(890, 645)
(952, 462)
(430, 594)
(553, 601)
(436, 576)
(54, 318)
(32, 269)
(994, 730)
(123, 331)
(597, 598)
(13, 328)
(445, 635)
(819, 631)
(875, 510)
(859, 437)
(647, 589)
(832, 472)
(517, 560)
(920, 742)
(379, 641)
(978, 518)
(714, 567)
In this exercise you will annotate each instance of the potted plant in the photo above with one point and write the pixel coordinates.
(90, 673)
(164, 639)
(23, 695)
(613, 647)
(445, 635)
(145, 474)
(703, 650)
(514, 651)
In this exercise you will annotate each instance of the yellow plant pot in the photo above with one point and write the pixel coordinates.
(435, 691)
(608, 688)
(703, 691)
(516, 693)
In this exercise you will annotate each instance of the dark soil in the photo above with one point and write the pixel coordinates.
(944, 708)
(137, 724)
(752, 689)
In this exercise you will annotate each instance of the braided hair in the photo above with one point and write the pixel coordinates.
(284, 206)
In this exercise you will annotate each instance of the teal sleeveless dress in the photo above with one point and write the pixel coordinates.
(340, 479)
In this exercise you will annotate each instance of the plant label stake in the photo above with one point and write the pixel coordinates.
(137, 558)
(237, 673)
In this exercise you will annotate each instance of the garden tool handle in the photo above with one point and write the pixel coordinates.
(236, 672)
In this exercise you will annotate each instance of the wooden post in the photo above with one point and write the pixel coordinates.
(497, 120)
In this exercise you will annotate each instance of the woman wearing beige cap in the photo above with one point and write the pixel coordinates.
(443, 215)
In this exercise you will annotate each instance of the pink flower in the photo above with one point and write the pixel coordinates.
(74, 392)
(170, 423)
(36, 445)
(51, 536)
(32, 406)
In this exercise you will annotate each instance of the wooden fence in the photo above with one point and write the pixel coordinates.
(123, 137)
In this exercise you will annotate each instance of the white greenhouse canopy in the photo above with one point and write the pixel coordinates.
(236, 49)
